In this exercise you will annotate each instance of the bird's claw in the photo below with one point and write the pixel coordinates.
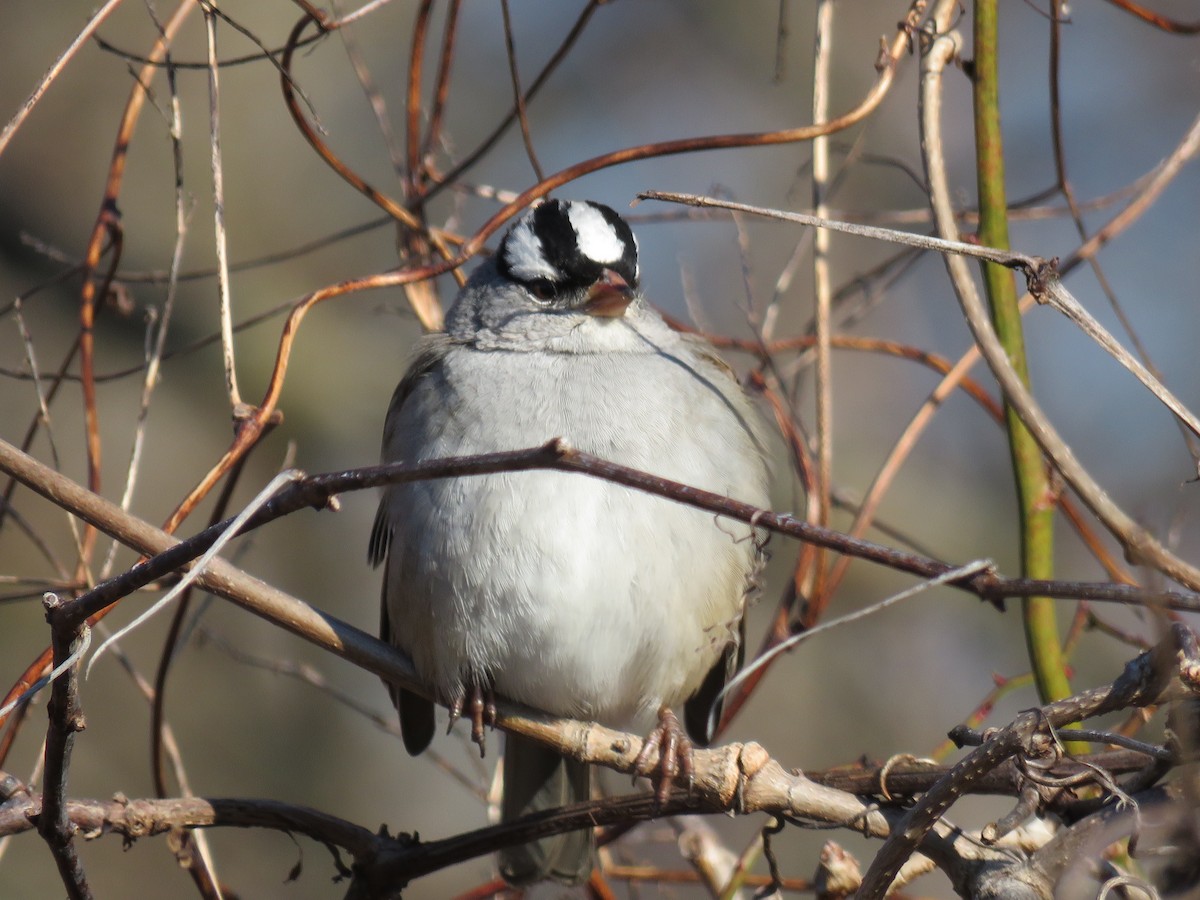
(674, 749)
(480, 705)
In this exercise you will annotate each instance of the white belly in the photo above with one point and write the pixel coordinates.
(573, 595)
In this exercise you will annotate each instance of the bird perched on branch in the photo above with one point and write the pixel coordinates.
(570, 594)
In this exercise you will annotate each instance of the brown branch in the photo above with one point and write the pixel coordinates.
(265, 54)
(66, 720)
(383, 861)
(167, 654)
(135, 819)
(427, 310)
(191, 855)
(890, 57)
(1138, 542)
(316, 491)
(250, 428)
(108, 225)
(460, 168)
(441, 91)
(162, 276)
(394, 209)
(368, 652)
(1143, 683)
(907, 779)
(1173, 26)
(781, 621)
(412, 106)
(514, 75)
(1032, 267)
(738, 778)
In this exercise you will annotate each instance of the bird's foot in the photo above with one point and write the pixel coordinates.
(479, 704)
(674, 750)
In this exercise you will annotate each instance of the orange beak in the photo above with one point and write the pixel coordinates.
(609, 297)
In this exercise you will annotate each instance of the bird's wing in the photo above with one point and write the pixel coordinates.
(430, 352)
(416, 712)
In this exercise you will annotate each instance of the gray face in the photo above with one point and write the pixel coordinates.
(561, 250)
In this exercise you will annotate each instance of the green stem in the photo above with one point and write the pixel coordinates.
(1033, 485)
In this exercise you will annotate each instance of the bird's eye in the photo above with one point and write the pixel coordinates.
(542, 288)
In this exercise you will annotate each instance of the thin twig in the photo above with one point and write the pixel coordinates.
(202, 868)
(441, 92)
(781, 36)
(43, 401)
(366, 81)
(1174, 26)
(225, 310)
(1138, 542)
(412, 103)
(365, 10)
(108, 225)
(1058, 297)
(158, 715)
(1058, 141)
(427, 308)
(265, 53)
(160, 324)
(454, 175)
(160, 276)
(197, 570)
(287, 83)
(784, 646)
(514, 75)
(53, 72)
(1011, 259)
(822, 291)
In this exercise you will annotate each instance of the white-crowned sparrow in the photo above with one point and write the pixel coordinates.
(567, 593)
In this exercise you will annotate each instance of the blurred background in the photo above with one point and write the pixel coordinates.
(640, 72)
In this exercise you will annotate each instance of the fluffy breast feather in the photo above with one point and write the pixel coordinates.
(546, 586)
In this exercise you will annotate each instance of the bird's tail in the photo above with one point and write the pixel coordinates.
(537, 778)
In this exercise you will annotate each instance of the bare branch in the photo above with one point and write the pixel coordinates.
(66, 719)
(1143, 682)
(53, 72)
(218, 179)
(1137, 540)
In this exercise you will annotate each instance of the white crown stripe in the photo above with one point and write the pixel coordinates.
(524, 256)
(596, 238)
